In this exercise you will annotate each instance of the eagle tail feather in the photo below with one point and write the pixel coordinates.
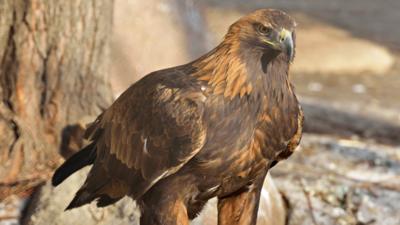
(98, 186)
(82, 197)
(91, 189)
(82, 158)
(106, 200)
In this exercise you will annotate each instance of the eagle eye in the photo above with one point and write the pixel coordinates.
(263, 29)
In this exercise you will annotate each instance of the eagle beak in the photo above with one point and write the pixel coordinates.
(286, 41)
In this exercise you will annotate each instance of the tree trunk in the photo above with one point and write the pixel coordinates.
(53, 80)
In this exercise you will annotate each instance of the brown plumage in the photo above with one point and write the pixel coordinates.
(209, 128)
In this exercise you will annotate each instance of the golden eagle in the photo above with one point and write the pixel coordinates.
(209, 128)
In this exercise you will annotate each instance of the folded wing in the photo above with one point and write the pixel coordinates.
(150, 131)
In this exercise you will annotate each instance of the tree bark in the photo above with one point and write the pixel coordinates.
(53, 79)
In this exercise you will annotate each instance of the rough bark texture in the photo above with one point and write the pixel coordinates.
(53, 67)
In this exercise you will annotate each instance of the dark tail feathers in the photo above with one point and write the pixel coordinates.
(83, 158)
(83, 197)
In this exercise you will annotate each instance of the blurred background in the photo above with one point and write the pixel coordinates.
(347, 76)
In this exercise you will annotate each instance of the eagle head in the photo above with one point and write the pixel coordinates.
(267, 30)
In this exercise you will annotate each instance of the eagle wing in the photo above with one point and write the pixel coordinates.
(152, 129)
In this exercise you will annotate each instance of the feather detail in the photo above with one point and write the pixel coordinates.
(223, 70)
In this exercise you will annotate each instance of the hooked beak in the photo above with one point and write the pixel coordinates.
(286, 43)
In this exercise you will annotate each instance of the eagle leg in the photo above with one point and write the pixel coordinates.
(241, 208)
(172, 212)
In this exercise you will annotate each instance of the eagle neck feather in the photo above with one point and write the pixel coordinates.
(233, 70)
(224, 70)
